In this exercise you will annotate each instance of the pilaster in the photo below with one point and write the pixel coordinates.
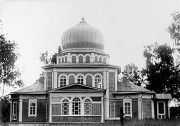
(116, 79)
(107, 94)
(11, 111)
(52, 84)
(168, 109)
(20, 110)
(45, 81)
(139, 108)
(152, 107)
(50, 108)
(55, 79)
(102, 109)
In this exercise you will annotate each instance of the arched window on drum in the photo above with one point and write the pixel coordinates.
(80, 59)
(98, 81)
(65, 59)
(104, 59)
(80, 79)
(62, 81)
(71, 79)
(100, 59)
(96, 58)
(73, 59)
(89, 80)
(87, 59)
(62, 59)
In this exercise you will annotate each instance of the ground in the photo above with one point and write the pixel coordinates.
(149, 122)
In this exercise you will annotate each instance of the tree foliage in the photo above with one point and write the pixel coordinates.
(174, 28)
(9, 74)
(161, 71)
(46, 59)
(134, 74)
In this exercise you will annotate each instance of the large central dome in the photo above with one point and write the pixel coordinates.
(82, 36)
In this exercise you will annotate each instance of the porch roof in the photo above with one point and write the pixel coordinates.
(36, 88)
(134, 89)
(163, 96)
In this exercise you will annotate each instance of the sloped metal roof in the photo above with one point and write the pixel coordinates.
(163, 96)
(131, 88)
(34, 88)
(138, 88)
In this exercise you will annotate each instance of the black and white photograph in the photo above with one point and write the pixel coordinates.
(89, 62)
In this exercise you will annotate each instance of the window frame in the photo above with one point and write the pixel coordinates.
(14, 115)
(99, 83)
(74, 59)
(29, 108)
(130, 107)
(90, 106)
(164, 108)
(60, 79)
(79, 106)
(62, 107)
(81, 80)
(87, 59)
(80, 59)
(49, 82)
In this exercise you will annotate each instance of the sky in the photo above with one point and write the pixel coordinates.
(127, 26)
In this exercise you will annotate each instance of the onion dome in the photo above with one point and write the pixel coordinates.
(82, 36)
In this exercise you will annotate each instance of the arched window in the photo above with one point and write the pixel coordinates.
(59, 60)
(87, 107)
(96, 59)
(73, 59)
(104, 60)
(62, 81)
(80, 79)
(100, 59)
(98, 81)
(71, 79)
(89, 80)
(66, 59)
(65, 107)
(87, 59)
(76, 106)
(62, 59)
(80, 59)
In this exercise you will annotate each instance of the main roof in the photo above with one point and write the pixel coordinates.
(38, 88)
(82, 36)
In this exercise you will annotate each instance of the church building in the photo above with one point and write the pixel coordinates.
(82, 87)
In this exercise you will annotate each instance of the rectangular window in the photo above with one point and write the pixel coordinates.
(49, 82)
(14, 111)
(161, 110)
(32, 107)
(127, 107)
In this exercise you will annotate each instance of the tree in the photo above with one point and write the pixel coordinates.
(9, 73)
(46, 59)
(161, 71)
(134, 73)
(174, 28)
